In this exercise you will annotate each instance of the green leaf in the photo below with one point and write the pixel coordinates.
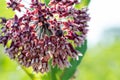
(4, 11)
(69, 72)
(53, 73)
(82, 4)
(47, 2)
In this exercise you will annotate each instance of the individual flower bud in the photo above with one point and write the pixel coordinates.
(15, 4)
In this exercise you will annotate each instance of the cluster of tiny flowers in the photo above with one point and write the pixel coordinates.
(44, 33)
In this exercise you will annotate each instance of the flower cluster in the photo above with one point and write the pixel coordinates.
(44, 33)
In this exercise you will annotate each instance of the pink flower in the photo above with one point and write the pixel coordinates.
(44, 33)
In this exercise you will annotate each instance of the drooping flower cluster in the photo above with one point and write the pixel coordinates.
(44, 33)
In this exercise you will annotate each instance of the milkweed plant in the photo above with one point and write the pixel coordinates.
(49, 37)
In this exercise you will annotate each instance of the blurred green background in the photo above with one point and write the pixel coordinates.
(101, 62)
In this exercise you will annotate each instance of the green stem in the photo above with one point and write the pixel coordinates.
(28, 73)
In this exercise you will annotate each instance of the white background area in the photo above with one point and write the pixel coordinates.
(104, 14)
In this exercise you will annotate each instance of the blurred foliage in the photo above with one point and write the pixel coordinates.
(4, 11)
(102, 62)
(82, 4)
